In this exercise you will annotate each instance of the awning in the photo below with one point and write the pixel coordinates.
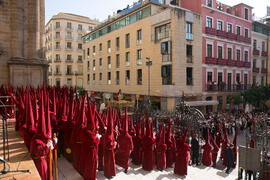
(201, 103)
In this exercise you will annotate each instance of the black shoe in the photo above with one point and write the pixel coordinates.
(126, 171)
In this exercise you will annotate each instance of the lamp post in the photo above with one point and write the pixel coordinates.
(148, 63)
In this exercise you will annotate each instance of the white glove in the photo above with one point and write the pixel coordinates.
(55, 140)
(105, 127)
(98, 136)
(50, 144)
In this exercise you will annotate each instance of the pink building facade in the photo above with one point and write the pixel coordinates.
(226, 49)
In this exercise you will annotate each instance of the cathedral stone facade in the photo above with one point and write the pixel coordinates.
(22, 25)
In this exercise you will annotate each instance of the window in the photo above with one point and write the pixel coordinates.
(262, 81)
(209, 3)
(88, 51)
(117, 43)
(229, 53)
(80, 46)
(139, 77)
(229, 28)
(109, 61)
(90, 28)
(69, 82)
(68, 25)
(57, 69)
(57, 81)
(263, 46)
(57, 25)
(69, 69)
(254, 44)
(79, 27)
(94, 76)
(88, 65)
(162, 32)
(100, 62)
(57, 35)
(139, 54)
(94, 49)
(69, 36)
(189, 31)
(139, 35)
(94, 63)
(127, 41)
(127, 77)
(254, 63)
(220, 52)
(189, 50)
(57, 45)
(263, 63)
(209, 22)
(238, 54)
(246, 13)
(165, 48)
(109, 77)
(117, 77)
(246, 33)
(69, 45)
(219, 25)
(79, 37)
(209, 50)
(69, 57)
(109, 45)
(100, 76)
(79, 58)
(88, 78)
(209, 76)
(238, 78)
(238, 30)
(189, 78)
(166, 73)
(246, 56)
(254, 80)
(57, 57)
(127, 58)
(117, 60)
(139, 15)
(100, 47)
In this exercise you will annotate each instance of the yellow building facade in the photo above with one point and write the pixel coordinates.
(64, 52)
(117, 53)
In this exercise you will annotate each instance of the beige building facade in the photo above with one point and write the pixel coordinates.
(64, 50)
(117, 53)
(22, 60)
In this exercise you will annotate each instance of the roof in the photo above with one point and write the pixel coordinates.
(244, 5)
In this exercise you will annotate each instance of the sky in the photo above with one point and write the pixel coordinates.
(100, 9)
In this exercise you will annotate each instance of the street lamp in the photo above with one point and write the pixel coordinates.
(148, 63)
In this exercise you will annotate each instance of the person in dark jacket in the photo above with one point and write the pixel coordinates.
(229, 157)
(195, 147)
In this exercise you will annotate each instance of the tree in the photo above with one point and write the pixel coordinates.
(237, 99)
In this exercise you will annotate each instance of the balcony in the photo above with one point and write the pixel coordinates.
(264, 70)
(256, 52)
(69, 28)
(239, 63)
(221, 33)
(255, 70)
(265, 54)
(49, 73)
(210, 60)
(69, 73)
(57, 48)
(189, 36)
(57, 60)
(211, 31)
(79, 61)
(69, 61)
(247, 64)
(69, 38)
(57, 74)
(230, 62)
(223, 87)
(78, 73)
(57, 38)
(221, 61)
(246, 39)
(166, 58)
(231, 36)
(69, 48)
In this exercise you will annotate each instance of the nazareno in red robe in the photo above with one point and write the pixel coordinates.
(123, 152)
(170, 148)
(137, 151)
(90, 156)
(207, 154)
(161, 150)
(39, 152)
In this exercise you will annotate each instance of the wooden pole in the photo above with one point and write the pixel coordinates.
(55, 159)
(50, 164)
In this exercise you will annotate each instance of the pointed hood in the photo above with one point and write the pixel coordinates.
(101, 124)
(138, 128)
(184, 137)
(143, 127)
(90, 121)
(110, 123)
(48, 120)
(125, 122)
(148, 130)
(41, 122)
(30, 117)
(162, 135)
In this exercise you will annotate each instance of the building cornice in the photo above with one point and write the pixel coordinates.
(228, 14)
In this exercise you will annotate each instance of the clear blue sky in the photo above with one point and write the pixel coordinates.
(100, 9)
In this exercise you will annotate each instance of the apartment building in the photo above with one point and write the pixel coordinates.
(260, 37)
(64, 52)
(226, 49)
(150, 48)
